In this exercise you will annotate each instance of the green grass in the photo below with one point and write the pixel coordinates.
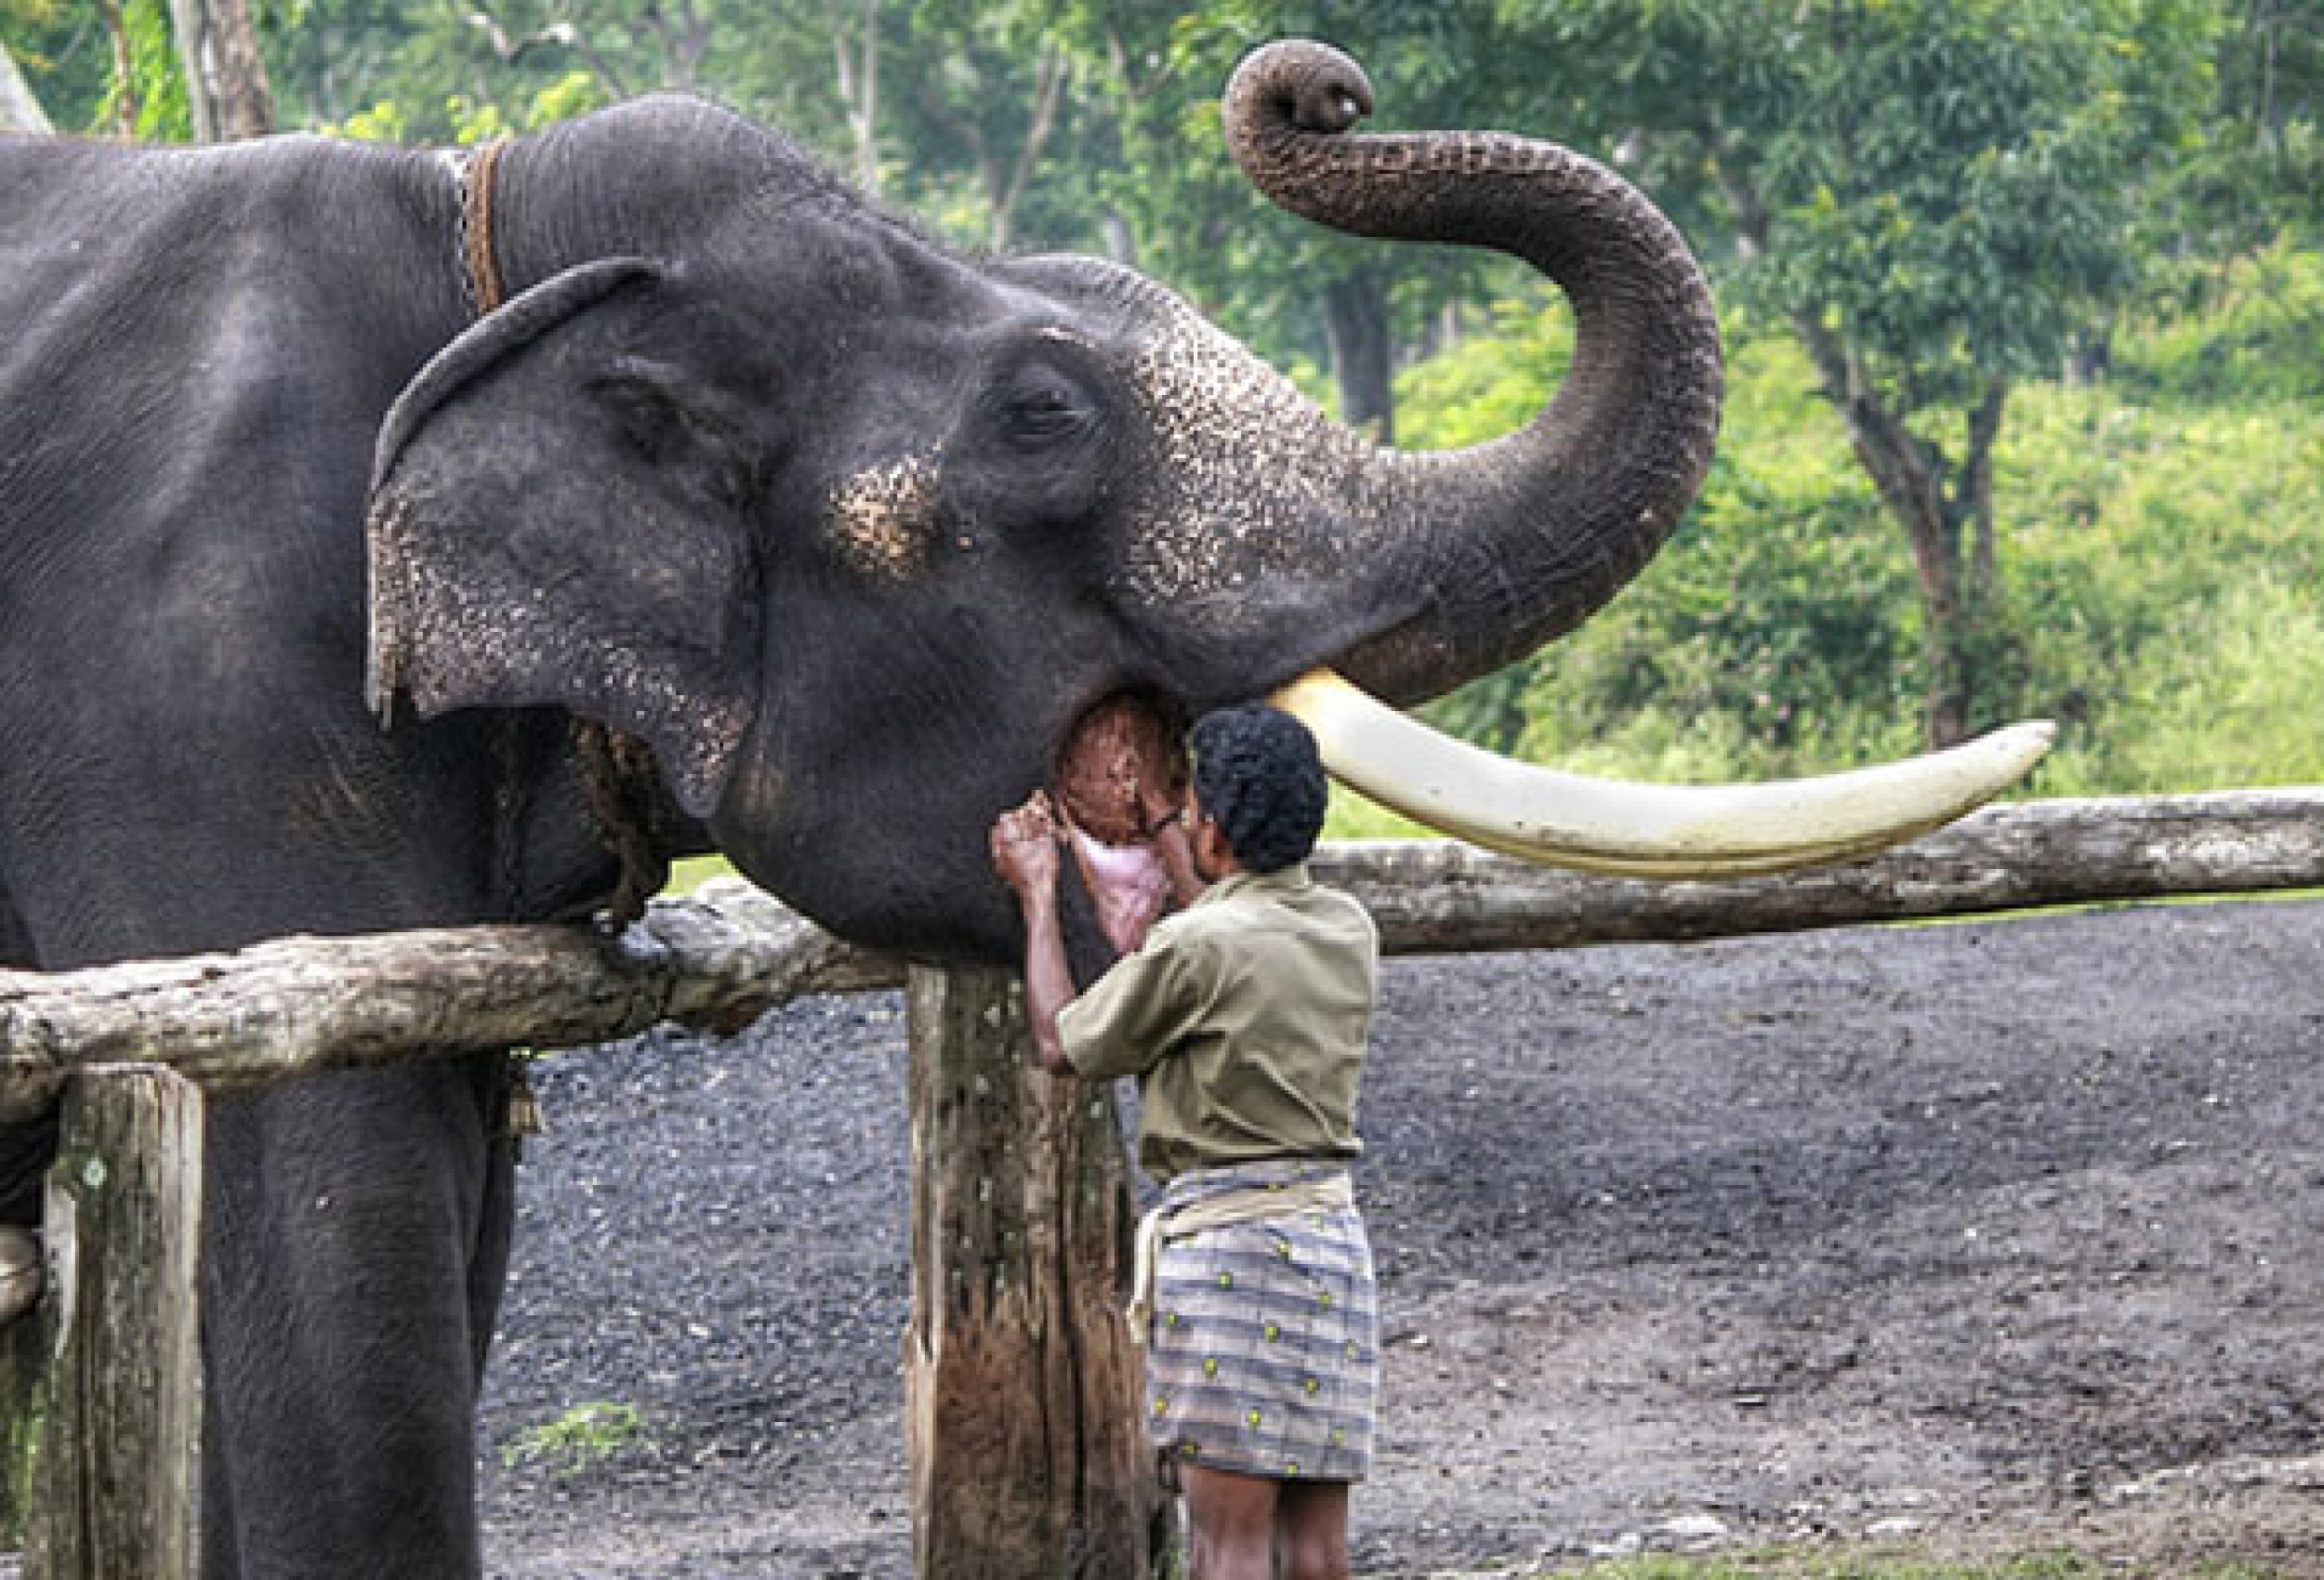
(583, 1437)
(1877, 1565)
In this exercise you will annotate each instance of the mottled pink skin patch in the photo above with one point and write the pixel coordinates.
(1128, 885)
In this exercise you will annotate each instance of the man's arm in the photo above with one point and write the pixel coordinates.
(1024, 850)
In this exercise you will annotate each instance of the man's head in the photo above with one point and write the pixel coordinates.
(1260, 779)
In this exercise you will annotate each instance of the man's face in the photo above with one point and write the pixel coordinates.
(1214, 858)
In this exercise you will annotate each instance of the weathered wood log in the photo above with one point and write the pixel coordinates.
(114, 1462)
(1435, 897)
(1022, 1386)
(299, 1005)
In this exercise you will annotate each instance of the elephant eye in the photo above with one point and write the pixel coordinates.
(1041, 406)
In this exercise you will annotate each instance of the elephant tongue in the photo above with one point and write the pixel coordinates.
(1127, 885)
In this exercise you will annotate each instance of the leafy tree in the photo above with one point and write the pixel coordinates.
(1934, 195)
(63, 55)
(2248, 186)
(991, 105)
(1293, 290)
(438, 72)
(2270, 109)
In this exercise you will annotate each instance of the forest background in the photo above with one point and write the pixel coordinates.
(2023, 305)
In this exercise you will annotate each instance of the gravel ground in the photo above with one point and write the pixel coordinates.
(2001, 1235)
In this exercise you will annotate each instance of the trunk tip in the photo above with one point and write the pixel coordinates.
(1295, 85)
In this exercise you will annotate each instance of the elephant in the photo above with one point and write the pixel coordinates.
(394, 537)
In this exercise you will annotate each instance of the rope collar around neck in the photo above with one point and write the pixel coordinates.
(482, 283)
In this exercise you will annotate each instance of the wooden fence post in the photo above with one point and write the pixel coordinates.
(112, 1479)
(23, 1351)
(1022, 1387)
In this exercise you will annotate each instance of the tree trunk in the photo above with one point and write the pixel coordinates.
(20, 111)
(1053, 71)
(855, 46)
(1946, 511)
(1363, 359)
(226, 81)
(1022, 1386)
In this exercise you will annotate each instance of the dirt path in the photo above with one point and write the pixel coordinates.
(2002, 1233)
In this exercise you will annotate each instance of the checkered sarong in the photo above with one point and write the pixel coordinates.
(1265, 1351)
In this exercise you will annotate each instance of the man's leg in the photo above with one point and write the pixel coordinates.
(1311, 1530)
(1233, 1519)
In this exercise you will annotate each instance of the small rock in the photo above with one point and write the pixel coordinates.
(1695, 1528)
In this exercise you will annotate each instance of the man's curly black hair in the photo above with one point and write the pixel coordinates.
(1261, 779)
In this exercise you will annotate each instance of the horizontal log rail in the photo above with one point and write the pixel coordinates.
(729, 953)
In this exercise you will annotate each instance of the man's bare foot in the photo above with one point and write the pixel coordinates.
(20, 1273)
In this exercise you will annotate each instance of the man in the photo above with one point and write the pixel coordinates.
(1246, 1018)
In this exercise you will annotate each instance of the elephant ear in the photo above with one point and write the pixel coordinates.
(555, 522)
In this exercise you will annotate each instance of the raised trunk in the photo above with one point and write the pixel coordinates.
(1510, 544)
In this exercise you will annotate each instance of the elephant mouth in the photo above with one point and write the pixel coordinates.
(1124, 752)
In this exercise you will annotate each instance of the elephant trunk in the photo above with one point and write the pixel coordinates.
(1510, 544)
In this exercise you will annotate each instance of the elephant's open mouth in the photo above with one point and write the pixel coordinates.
(1123, 751)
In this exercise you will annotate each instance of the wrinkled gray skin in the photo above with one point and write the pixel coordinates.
(850, 529)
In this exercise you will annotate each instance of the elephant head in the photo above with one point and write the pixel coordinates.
(867, 539)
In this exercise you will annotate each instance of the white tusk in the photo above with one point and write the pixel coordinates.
(1671, 831)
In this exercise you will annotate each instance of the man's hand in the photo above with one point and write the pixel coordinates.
(1025, 848)
(1024, 853)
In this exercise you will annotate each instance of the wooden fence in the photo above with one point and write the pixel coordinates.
(1020, 1386)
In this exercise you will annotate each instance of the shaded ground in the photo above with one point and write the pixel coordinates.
(2008, 1233)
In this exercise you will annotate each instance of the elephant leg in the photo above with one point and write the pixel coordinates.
(26, 1149)
(356, 1231)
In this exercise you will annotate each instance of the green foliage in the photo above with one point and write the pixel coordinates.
(65, 60)
(1934, 195)
(1876, 1564)
(1842, 1566)
(469, 122)
(585, 1436)
(1773, 634)
(2260, 336)
(2171, 587)
(2166, 580)
(156, 78)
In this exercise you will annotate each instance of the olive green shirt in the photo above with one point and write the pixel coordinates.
(1245, 1016)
